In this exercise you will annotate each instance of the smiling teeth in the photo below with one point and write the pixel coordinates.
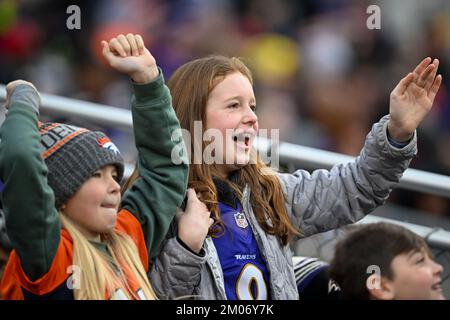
(242, 136)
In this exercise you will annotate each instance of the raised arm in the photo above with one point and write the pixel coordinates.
(324, 200)
(28, 202)
(161, 186)
(412, 99)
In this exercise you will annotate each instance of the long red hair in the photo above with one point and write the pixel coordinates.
(190, 87)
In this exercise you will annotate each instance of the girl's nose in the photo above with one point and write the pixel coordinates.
(115, 186)
(250, 116)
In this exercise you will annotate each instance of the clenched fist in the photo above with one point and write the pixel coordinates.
(10, 87)
(128, 54)
(194, 222)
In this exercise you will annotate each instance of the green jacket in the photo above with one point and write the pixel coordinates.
(31, 218)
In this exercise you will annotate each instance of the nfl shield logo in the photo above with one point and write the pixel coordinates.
(241, 221)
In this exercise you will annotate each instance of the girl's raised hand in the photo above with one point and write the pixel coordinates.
(412, 99)
(128, 54)
(10, 87)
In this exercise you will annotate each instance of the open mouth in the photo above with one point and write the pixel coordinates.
(243, 139)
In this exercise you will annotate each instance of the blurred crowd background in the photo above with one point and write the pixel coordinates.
(321, 76)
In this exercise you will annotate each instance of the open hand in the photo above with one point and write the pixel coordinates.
(412, 99)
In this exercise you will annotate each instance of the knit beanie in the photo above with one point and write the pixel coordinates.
(74, 154)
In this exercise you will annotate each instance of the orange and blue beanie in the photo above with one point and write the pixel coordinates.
(74, 154)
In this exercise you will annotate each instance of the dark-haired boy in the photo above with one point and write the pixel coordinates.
(386, 262)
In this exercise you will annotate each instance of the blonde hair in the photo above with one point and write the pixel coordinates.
(98, 279)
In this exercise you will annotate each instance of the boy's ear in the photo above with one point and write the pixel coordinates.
(380, 288)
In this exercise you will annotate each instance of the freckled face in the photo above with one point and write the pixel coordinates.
(231, 110)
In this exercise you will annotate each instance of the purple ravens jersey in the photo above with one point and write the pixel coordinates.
(245, 273)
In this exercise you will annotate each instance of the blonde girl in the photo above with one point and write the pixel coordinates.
(74, 236)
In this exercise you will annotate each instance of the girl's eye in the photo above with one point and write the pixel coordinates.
(420, 260)
(253, 108)
(97, 175)
(115, 177)
(233, 105)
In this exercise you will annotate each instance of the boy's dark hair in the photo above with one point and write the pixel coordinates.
(372, 244)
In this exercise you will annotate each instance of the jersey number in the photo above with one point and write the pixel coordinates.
(250, 284)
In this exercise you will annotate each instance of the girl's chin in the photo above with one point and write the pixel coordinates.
(242, 160)
(110, 222)
(237, 166)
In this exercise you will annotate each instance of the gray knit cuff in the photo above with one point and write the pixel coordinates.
(27, 95)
